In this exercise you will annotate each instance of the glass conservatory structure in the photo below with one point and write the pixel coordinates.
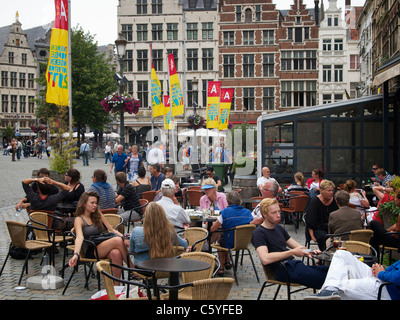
(344, 139)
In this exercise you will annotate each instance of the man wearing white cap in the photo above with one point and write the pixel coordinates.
(175, 213)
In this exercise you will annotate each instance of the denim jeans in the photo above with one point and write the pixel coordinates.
(298, 272)
(85, 158)
(107, 156)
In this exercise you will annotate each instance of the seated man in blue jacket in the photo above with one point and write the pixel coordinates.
(232, 216)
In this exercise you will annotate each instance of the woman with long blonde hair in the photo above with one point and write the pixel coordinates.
(157, 237)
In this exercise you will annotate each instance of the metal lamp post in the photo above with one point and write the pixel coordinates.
(195, 86)
(121, 43)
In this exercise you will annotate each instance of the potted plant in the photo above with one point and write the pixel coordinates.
(196, 121)
(389, 213)
(116, 102)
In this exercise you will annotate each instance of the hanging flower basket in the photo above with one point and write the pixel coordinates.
(116, 103)
(40, 129)
(195, 121)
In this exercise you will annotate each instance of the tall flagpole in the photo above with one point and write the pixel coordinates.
(151, 95)
(172, 118)
(69, 70)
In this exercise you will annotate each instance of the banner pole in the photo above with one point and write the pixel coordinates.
(69, 71)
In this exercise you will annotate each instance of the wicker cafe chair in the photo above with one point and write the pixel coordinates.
(196, 237)
(143, 205)
(363, 235)
(243, 236)
(187, 277)
(270, 281)
(193, 196)
(47, 234)
(360, 247)
(207, 289)
(114, 219)
(104, 268)
(82, 261)
(18, 231)
(178, 250)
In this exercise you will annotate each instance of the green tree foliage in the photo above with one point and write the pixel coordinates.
(63, 147)
(8, 133)
(92, 80)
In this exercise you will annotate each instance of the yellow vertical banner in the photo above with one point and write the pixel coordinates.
(225, 107)
(213, 99)
(175, 91)
(57, 68)
(168, 120)
(156, 92)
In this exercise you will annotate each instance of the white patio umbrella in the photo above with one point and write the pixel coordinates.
(202, 133)
(89, 135)
(112, 135)
(74, 134)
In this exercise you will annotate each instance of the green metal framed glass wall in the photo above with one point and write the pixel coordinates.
(342, 139)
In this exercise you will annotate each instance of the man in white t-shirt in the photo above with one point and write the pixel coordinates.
(155, 155)
(266, 184)
(174, 212)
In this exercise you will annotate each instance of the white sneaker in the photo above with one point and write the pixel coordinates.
(324, 295)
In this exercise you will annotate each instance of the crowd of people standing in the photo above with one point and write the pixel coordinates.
(26, 148)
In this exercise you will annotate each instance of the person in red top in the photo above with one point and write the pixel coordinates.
(383, 194)
(380, 237)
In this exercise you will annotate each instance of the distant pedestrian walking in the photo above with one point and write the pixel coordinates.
(84, 152)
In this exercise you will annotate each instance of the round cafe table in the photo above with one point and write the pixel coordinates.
(174, 267)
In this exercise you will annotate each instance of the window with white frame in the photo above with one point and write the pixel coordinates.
(141, 6)
(338, 71)
(141, 32)
(268, 36)
(338, 45)
(142, 60)
(229, 65)
(129, 60)
(208, 59)
(207, 31)
(248, 65)
(354, 62)
(268, 98)
(229, 38)
(127, 31)
(192, 32)
(248, 98)
(157, 31)
(158, 59)
(326, 73)
(327, 45)
(156, 6)
(172, 31)
(268, 64)
(143, 93)
(192, 60)
(248, 37)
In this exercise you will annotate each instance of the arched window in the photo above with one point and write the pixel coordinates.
(248, 15)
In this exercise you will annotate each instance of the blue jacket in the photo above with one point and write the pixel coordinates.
(392, 274)
(234, 216)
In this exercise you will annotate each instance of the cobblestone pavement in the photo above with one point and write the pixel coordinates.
(11, 192)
